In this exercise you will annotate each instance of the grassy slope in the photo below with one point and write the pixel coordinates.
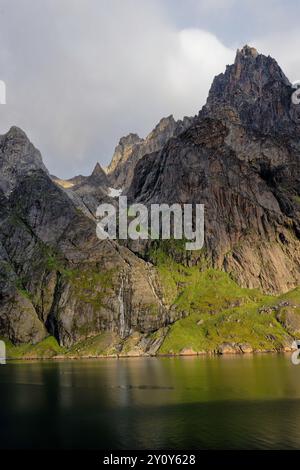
(217, 311)
(47, 348)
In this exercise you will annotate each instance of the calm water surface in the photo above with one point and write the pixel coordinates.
(152, 403)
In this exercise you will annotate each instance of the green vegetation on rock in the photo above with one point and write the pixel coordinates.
(45, 349)
(217, 311)
(216, 314)
(92, 286)
(99, 345)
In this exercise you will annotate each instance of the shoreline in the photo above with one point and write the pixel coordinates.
(142, 356)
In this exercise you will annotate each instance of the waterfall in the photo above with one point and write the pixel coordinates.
(122, 309)
(2, 353)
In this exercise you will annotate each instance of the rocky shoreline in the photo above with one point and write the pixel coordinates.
(224, 350)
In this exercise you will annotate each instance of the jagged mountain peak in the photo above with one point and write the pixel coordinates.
(247, 51)
(130, 139)
(165, 126)
(251, 73)
(256, 89)
(132, 148)
(98, 176)
(98, 170)
(18, 157)
(16, 135)
(258, 67)
(16, 131)
(123, 150)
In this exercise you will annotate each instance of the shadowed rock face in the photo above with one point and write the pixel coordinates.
(57, 278)
(240, 158)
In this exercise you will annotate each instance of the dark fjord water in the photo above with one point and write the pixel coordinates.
(152, 403)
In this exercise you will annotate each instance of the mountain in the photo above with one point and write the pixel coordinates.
(56, 276)
(98, 176)
(240, 158)
(61, 287)
(17, 156)
(132, 148)
(256, 89)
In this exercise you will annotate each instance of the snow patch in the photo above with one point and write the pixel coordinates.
(112, 192)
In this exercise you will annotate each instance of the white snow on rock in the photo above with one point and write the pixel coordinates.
(112, 192)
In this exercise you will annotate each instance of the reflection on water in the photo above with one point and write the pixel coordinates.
(188, 403)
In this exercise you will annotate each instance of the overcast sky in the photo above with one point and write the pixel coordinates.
(80, 74)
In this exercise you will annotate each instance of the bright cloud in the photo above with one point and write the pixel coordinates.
(82, 73)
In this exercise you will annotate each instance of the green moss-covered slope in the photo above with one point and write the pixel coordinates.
(219, 313)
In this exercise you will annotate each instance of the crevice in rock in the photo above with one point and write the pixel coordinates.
(51, 324)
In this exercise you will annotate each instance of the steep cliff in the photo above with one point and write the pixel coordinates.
(240, 158)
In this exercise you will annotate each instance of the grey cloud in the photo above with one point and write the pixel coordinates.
(82, 73)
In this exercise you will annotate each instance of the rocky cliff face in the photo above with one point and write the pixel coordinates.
(17, 156)
(132, 148)
(240, 158)
(257, 92)
(56, 276)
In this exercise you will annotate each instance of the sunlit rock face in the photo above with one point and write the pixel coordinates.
(132, 148)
